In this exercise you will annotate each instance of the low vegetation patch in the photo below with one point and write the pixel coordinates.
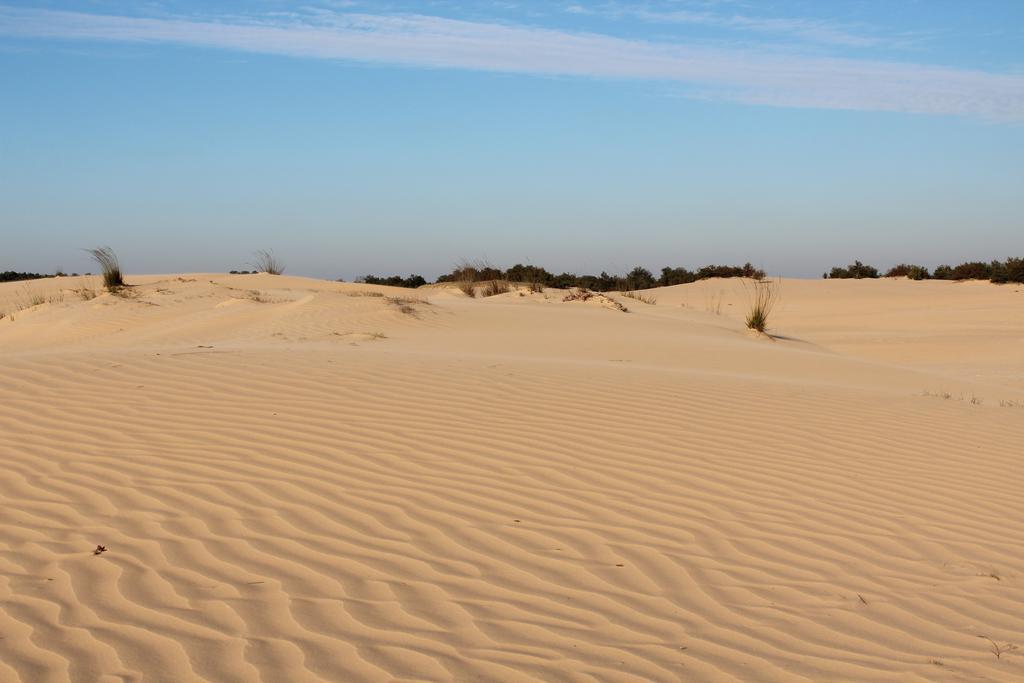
(642, 298)
(407, 305)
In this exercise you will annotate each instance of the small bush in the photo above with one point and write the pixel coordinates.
(765, 296)
(266, 262)
(973, 270)
(855, 271)
(909, 271)
(113, 279)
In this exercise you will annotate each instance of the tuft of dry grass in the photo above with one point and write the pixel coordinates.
(467, 287)
(762, 300)
(86, 294)
(493, 287)
(265, 262)
(366, 293)
(113, 278)
(642, 298)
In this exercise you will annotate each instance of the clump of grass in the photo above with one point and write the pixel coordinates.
(642, 298)
(110, 267)
(763, 299)
(36, 300)
(364, 293)
(467, 287)
(265, 262)
(86, 294)
(493, 287)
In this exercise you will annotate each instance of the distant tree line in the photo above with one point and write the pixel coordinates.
(412, 281)
(12, 276)
(1010, 270)
(637, 278)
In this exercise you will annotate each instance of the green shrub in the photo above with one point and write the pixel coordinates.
(855, 271)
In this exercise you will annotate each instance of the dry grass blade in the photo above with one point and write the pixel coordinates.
(113, 278)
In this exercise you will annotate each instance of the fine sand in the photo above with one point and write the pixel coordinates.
(296, 483)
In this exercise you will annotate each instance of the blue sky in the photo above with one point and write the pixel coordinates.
(396, 137)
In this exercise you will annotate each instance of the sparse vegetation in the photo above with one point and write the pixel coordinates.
(265, 262)
(366, 293)
(642, 298)
(110, 267)
(584, 294)
(407, 305)
(762, 300)
(997, 649)
(494, 287)
(86, 294)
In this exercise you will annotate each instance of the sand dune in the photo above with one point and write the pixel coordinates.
(299, 480)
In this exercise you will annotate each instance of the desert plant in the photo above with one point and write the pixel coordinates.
(468, 287)
(762, 300)
(265, 262)
(493, 287)
(110, 267)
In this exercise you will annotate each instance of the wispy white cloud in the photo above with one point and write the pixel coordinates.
(739, 75)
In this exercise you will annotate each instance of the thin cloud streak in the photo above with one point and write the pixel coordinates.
(745, 76)
(815, 31)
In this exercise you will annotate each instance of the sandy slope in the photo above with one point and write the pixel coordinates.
(298, 484)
